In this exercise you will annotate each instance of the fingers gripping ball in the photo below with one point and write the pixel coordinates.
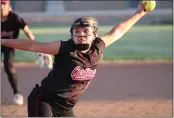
(150, 6)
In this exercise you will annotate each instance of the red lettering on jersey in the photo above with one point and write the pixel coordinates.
(83, 74)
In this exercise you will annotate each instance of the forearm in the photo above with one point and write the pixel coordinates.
(119, 30)
(30, 35)
(124, 26)
(33, 46)
(20, 44)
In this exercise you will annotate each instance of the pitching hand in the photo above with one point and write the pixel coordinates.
(141, 9)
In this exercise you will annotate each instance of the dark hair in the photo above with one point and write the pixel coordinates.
(85, 22)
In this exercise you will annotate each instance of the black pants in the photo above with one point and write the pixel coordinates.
(8, 54)
(42, 103)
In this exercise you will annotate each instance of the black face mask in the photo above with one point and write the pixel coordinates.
(81, 47)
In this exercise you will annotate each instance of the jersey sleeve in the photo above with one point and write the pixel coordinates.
(65, 47)
(21, 22)
(99, 45)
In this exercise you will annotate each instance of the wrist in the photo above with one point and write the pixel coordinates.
(140, 13)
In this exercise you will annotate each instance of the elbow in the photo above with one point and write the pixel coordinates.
(31, 49)
(117, 34)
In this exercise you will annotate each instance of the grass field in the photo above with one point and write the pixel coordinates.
(140, 43)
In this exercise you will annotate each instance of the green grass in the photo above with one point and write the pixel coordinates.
(140, 43)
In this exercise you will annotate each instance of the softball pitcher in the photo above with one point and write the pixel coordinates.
(74, 67)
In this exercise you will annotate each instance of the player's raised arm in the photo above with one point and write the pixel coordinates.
(33, 46)
(119, 30)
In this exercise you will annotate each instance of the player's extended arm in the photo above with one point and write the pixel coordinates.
(119, 30)
(33, 46)
(28, 32)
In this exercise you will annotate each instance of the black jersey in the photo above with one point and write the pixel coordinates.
(10, 28)
(73, 70)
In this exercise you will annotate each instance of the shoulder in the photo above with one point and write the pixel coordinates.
(14, 15)
(99, 42)
(66, 46)
(67, 43)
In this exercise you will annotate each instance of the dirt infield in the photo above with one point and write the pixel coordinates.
(133, 89)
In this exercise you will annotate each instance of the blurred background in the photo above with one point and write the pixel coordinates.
(149, 39)
(133, 89)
